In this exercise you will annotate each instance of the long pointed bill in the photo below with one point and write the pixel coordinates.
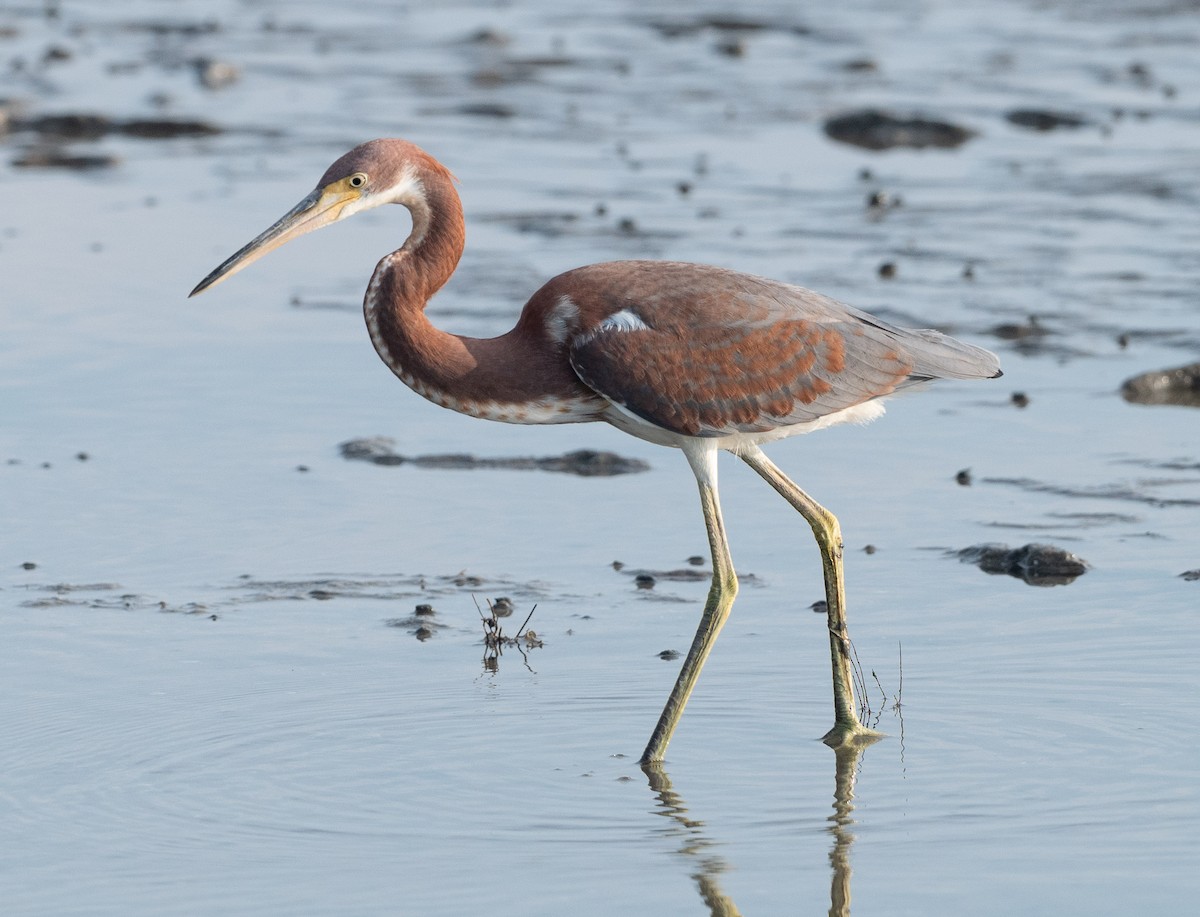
(320, 208)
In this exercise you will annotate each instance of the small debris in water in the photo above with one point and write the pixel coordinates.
(869, 549)
(55, 54)
(1020, 399)
(644, 581)
(873, 129)
(495, 641)
(1179, 386)
(879, 202)
(1191, 575)
(964, 477)
(1036, 564)
(29, 565)
(696, 560)
(420, 623)
(731, 47)
(215, 74)
(860, 65)
(887, 270)
(668, 655)
(819, 607)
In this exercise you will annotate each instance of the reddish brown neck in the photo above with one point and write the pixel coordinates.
(517, 368)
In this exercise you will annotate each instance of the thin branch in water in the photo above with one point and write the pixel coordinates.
(861, 685)
(899, 702)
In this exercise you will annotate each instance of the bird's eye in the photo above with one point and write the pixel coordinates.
(357, 180)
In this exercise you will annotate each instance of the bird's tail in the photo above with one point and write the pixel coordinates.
(936, 356)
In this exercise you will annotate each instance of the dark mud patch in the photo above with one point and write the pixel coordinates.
(1039, 119)
(873, 129)
(380, 588)
(1104, 491)
(105, 595)
(79, 127)
(1070, 521)
(1020, 331)
(1035, 564)
(586, 463)
(1179, 464)
(646, 580)
(727, 25)
(54, 158)
(1035, 337)
(420, 589)
(1179, 386)
(47, 137)
(549, 224)
(493, 110)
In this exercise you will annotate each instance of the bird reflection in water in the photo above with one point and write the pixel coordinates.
(698, 847)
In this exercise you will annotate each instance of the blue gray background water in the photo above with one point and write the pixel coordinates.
(212, 698)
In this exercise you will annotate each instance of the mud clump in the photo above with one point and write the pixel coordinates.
(877, 130)
(1036, 119)
(68, 127)
(1036, 564)
(1180, 386)
(587, 463)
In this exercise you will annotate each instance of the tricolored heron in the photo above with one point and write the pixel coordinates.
(685, 355)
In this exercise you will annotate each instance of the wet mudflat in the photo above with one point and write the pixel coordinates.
(221, 694)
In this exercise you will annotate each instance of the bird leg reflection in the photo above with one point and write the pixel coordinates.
(696, 846)
(848, 756)
(695, 843)
(716, 610)
(846, 726)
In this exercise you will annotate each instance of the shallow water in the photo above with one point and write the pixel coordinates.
(214, 698)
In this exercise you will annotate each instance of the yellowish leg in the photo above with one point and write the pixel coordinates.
(716, 609)
(846, 726)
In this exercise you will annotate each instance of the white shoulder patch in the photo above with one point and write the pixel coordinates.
(625, 320)
(562, 320)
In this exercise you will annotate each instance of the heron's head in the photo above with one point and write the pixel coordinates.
(375, 173)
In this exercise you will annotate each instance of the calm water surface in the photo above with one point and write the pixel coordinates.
(213, 699)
